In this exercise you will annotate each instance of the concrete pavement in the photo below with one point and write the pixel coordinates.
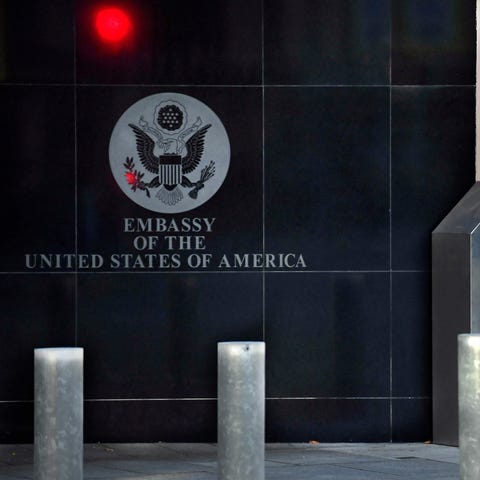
(292, 461)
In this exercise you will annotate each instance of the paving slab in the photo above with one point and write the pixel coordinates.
(153, 466)
(409, 468)
(17, 471)
(313, 457)
(294, 461)
(180, 476)
(191, 448)
(93, 471)
(390, 450)
(324, 472)
(158, 451)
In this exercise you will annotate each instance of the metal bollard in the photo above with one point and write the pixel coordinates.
(241, 410)
(58, 438)
(469, 405)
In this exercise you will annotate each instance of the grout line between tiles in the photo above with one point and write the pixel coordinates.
(263, 171)
(203, 272)
(390, 226)
(146, 85)
(75, 130)
(199, 399)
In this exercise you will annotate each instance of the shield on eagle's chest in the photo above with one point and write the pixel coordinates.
(170, 169)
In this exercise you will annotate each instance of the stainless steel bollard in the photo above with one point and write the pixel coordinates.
(241, 410)
(469, 405)
(58, 438)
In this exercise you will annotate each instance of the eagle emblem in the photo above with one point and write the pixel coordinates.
(170, 150)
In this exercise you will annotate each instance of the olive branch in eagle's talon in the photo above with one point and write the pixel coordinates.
(134, 177)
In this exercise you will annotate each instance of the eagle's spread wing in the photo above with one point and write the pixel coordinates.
(145, 147)
(194, 150)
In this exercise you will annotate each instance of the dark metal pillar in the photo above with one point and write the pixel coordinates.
(455, 306)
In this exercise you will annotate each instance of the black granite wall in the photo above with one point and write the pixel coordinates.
(351, 128)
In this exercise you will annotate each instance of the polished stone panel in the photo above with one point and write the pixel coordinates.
(328, 162)
(236, 207)
(365, 420)
(433, 140)
(327, 176)
(411, 334)
(433, 42)
(36, 42)
(212, 43)
(37, 311)
(308, 42)
(38, 173)
(17, 420)
(151, 421)
(412, 419)
(327, 334)
(170, 324)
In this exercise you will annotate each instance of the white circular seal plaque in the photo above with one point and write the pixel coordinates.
(169, 153)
